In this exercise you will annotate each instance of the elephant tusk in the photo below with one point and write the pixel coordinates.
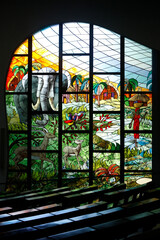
(35, 107)
(52, 104)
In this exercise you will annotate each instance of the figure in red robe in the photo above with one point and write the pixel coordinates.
(136, 120)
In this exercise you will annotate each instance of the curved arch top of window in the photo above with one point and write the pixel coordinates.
(80, 81)
(106, 54)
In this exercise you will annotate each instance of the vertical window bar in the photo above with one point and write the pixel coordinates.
(122, 110)
(29, 109)
(60, 107)
(91, 107)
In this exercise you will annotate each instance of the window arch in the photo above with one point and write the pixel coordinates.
(79, 109)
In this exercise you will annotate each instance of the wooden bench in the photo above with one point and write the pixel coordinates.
(19, 200)
(78, 234)
(123, 196)
(55, 197)
(67, 220)
(89, 196)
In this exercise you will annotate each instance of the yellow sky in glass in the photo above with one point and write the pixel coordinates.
(23, 48)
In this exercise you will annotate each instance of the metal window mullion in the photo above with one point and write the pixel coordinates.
(91, 107)
(60, 108)
(29, 110)
(122, 109)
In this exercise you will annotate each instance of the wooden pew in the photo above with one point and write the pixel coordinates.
(56, 197)
(89, 196)
(120, 197)
(68, 221)
(85, 233)
(19, 200)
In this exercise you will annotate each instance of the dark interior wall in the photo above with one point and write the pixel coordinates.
(19, 19)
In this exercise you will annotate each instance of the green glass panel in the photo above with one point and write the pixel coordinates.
(75, 151)
(75, 112)
(16, 108)
(106, 167)
(18, 152)
(138, 151)
(16, 182)
(106, 132)
(44, 170)
(138, 111)
(75, 179)
(45, 137)
(136, 179)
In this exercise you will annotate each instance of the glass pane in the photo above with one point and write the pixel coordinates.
(16, 108)
(45, 92)
(106, 52)
(138, 67)
(138, 151)
(16, 182)
(75, 179)
(23, 48)
(106, 93)
(44, 170)
(137, 179)
(45, 136)
(46, 48)
(106, 132)
(106, 167)
(18, 152)
(138, 111)
(16, 74)
(75, 111)
(72, 145)
(76, 69)
(75, 38)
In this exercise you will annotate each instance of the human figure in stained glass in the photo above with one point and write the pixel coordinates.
(139, 101)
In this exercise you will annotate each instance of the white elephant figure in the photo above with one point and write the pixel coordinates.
(45, 89)
(45, 93)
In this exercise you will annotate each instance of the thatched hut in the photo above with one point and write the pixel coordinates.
(138, 100)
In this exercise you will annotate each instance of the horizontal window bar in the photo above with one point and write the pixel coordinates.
(16, 93)
(44, 112)
(18, 132)
(106, 73)
(138, 171)
(20, 55)
(106, 151)
(75, 131)
(17, 171)
(75, 54)
(75, 92)
(138, 131)
(108, 112)
(38, 73)
(76, 170)
(137, 92)
(44, 151)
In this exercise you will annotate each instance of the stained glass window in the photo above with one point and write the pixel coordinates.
(79, 109)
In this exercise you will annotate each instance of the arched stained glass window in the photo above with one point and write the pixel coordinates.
(79, 109)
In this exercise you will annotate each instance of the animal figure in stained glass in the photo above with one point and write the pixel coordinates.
(71, 119)
(45, 94)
